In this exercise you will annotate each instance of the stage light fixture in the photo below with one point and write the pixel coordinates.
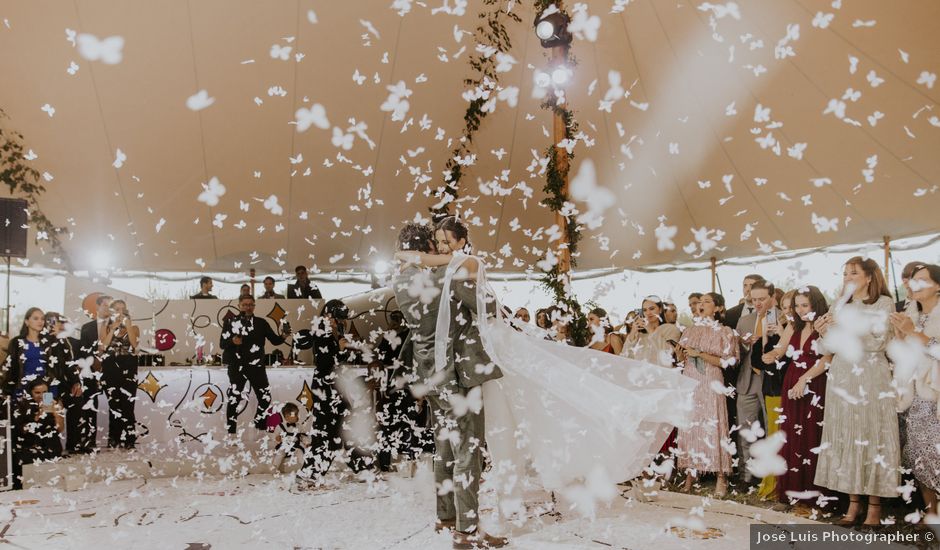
(545, 30)
(552, 29)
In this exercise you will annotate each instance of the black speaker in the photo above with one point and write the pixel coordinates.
(13, 228)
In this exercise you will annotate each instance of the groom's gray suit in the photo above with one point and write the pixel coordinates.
(457, 459)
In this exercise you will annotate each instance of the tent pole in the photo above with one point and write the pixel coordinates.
(559, 57)
(887, 256)
(714, 272)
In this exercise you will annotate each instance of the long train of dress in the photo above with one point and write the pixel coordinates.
(583, 420)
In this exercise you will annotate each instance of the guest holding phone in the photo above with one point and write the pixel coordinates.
(705, 350)
(37, 424)
(119, 375)
(648, 336)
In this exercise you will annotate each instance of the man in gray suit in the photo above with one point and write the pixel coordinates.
(751, 329)
(458, 439)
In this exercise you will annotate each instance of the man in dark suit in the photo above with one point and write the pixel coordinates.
(304, 287)
(331, 409)
(205, 290)
(90, 337)
(242, 342)
(744, 307)
(396, 408)
(64, 353)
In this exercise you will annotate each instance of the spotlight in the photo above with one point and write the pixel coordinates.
(552, 29)
(101, 260)
(545, 30)
(381, 268)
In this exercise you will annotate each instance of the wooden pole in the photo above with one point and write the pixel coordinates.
(714, 273)
(887, 257)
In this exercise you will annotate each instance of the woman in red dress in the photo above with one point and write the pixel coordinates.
(802, 416)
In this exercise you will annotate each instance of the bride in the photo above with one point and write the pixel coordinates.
(579, 419)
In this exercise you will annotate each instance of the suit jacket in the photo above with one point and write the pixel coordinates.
(62, 353)
(200, 296)
(733, 315)
(89, 339)
(309, 291)
(254, 332)
(748, 381)
(472, 364)
(421, 319)
(772, 377)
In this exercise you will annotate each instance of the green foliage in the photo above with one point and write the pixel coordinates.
(24, 181)
(556, 197)
(490, 33)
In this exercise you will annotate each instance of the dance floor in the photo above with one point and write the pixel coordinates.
(262, 511)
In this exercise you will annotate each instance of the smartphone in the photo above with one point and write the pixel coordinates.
(47, 398)
(772, 317)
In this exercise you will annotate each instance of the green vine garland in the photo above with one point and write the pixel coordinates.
(492, 34)
(554, 280)
(24, 180)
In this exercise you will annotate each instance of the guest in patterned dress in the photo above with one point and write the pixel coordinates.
(705, 349)
(802, 400)
(918, 378)
(860, 448)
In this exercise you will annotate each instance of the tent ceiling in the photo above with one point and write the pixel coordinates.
(694, 82)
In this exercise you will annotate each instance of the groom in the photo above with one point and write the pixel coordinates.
(458, 439)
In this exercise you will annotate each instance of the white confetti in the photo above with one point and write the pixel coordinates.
(109, 51)
(200, 100)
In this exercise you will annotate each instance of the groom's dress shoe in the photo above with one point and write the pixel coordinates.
(472, 541)
(444, 524)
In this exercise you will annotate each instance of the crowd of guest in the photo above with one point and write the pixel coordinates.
(849, 386)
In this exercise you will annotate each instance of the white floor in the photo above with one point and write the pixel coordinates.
(260, 511)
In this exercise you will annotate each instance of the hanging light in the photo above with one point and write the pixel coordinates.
(545, 30)
(552, 29)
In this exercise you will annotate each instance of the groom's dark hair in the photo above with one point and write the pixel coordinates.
(416, 237)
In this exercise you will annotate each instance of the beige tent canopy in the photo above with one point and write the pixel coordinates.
(780, 124)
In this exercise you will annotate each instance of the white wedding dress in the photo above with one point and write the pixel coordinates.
(580, 420)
